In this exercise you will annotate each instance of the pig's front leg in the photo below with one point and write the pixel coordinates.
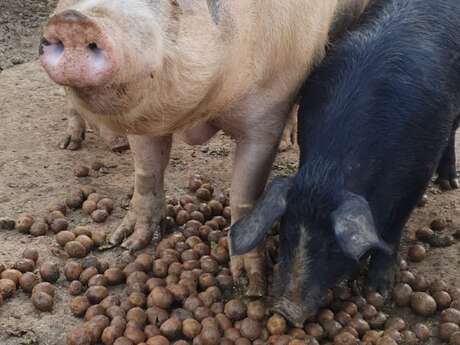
(151, 156)
(447, 169)
(75, 133)
(253, 162)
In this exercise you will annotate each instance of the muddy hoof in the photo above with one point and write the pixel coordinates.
(294, 313)
(446, 185)
(70, 143)
(119, 144)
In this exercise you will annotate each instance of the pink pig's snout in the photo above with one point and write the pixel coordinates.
(75, 51)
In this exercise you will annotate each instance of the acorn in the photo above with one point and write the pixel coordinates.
(81, 171)
(171, 328)
(24, 222)
(44, 287)
(99, 216)
(75, 199)
(28, 281)
(75, 249)
(402, 294)
(72, 270)
(416, 253)
(160, 297)
(24, 265)
(210, 336)
(88, 207)
(42, 301)
(446, 329)
(276, 325)
(236, 310)
(375, 299)
(105, 204)
(420, 283)
(11, 274)
(424, 234)
(49, 272)
(203, 194)
(422, 331)
(30, 253)
(442, 298)
(75, 288)
(451, 315)
(115, 276)
(156, 340)
(87, 274)
(65, 236)
(250, 329)
(96, 294)
(59, 225)
(78, 336)
(454, 339)
(39, 228)
(7, 288)
(423, 304)
(79, 305)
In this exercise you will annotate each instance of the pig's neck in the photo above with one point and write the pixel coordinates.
(147, 106)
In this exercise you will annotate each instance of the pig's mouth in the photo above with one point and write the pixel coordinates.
(295, 313)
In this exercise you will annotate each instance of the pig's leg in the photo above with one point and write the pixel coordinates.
(75, 133)
(447, 169)
(289, 138)
(383, 267)
(116, 142)
(151, 156)
(252, 167)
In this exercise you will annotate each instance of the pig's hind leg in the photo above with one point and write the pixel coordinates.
(289, 138)
(447, 168)
(75, 133)
(147, 208)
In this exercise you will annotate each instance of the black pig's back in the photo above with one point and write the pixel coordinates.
(381, 107)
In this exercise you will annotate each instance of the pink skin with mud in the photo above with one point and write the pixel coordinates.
(151, 68)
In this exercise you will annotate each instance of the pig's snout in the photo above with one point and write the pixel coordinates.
(75, 51)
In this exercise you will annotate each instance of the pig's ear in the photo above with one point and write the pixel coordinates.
(354, 228)
(250, 230)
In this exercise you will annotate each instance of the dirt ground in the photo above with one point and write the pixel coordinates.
(34, 171)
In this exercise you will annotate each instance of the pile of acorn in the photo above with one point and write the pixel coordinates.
(184, 293)
(22, 275)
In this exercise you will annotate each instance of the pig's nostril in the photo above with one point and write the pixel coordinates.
(93, 47)
(44, 42)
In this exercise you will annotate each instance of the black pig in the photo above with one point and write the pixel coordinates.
(375, 120)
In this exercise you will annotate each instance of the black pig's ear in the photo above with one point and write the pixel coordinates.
(250, 230)
(354, 227)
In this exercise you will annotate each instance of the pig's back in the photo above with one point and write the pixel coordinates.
(382, 105)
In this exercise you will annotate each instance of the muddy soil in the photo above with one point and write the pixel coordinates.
(34, 171)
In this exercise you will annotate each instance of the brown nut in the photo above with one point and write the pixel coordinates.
(423, 304)
(42, 301)
(49, 271)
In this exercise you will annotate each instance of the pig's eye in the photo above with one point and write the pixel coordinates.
(93, 46)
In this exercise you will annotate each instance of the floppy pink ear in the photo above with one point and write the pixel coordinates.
(250, 230)
(354, 228)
